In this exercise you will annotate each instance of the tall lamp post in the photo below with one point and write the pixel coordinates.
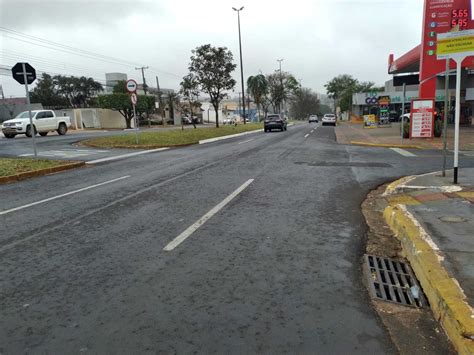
(281, 78)
(241, 65)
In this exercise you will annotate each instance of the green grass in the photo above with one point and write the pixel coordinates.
(13, 166)
(158, 139)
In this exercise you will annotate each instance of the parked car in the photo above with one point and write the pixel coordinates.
(328, 119)
(44, 121)
(274, 121)
(313, 118)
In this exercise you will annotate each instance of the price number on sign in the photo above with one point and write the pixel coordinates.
(459, 18)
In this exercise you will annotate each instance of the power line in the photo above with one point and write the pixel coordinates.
(70, 50)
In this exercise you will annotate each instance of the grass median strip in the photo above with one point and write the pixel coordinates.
(15, 166)
(157, 139)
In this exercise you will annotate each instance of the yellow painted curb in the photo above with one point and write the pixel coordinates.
(384, 145)
(447, 300)
(40, 172)
(403, 200)
(392, 187)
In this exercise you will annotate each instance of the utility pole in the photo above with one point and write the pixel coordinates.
(143, 76)
(248, 104)
(241, 65)
(160, 103)
(281, 82)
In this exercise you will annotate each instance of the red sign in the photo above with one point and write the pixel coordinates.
(422, 118)
(440, 16)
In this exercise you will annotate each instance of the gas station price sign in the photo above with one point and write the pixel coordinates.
(460, 17)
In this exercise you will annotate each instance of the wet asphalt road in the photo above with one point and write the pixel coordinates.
(277, 270)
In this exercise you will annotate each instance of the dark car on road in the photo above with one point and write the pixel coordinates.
(274, 121)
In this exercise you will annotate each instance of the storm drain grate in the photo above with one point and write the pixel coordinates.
(392, 280)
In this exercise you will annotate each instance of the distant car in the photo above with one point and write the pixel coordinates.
(274, 121)
(229, 120)
(406, 117)
(328, 119)
(313, 118)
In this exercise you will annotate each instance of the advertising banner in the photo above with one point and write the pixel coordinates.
(370, 121)
(440, 16)
(384, 111)
(422, 118)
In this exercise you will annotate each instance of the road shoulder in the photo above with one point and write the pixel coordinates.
(430, 259)
(412, 330)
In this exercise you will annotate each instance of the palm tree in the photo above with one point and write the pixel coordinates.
(257, 86)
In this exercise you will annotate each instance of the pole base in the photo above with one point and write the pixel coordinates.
(456, 175)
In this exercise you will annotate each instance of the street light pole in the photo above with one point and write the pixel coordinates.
(241, 65)
(281, 80)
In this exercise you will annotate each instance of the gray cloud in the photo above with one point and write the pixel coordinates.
(29, 14)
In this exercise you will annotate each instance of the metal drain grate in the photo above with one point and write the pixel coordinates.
(392, 280)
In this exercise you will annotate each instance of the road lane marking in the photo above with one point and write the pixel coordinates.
(248, 140)
(306, 136)
(195, 226)
(66, 153)
(62, 195)
(102, 160)
(403, 152)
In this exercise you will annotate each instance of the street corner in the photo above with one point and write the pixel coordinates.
(424, 221)
(398, 318)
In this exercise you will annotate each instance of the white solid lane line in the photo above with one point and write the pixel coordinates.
(62, 195)
(195, 226)
(125, 156)
(403, 152)
(248, 140)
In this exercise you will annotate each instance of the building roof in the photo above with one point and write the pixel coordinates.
(407, 63)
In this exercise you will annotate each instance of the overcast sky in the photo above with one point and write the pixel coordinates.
(318, 39)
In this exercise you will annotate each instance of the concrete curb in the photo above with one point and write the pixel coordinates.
(41, 172)
(211, 140)
(383, 145)
(447, 300)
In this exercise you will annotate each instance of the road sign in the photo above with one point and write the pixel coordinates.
(134, 98)
(422, 118)
(131, 85)
(19, 74)
(453, 44)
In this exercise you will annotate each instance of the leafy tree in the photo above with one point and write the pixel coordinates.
(190, 92)
(324, 109)
(304, 103)
(281, 87)
(342, 87)
(212, 67)
(258, 87)
(78, 91)
(46, 93)
(121, 102)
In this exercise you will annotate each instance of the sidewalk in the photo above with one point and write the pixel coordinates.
(353, 133)
(434, 221)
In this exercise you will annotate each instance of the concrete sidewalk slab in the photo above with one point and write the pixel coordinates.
(437, 237)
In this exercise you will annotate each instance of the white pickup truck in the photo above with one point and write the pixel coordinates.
(44, 121)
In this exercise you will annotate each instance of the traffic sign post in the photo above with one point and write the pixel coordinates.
(456, 46)
(26, 74)
(134, 99)
(131, 86)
